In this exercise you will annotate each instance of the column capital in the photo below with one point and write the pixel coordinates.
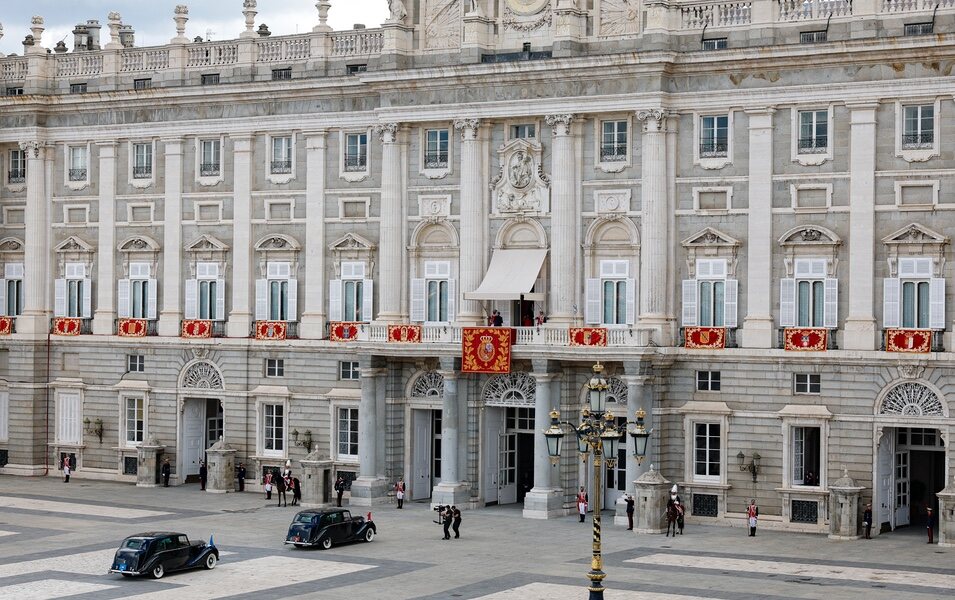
(387, 132)
(371, 373)
(468, 127)
(34, 147)
(450, 375)
(242, 142)
(636, 379)
(560, 123)
(545, 377)
(654, 119)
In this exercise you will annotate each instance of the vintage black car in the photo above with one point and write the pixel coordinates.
(156, 553)
(327, 526)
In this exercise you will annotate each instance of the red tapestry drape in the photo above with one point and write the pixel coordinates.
(805, 339)
(588, 336)
(908, 340)
(486, 350)
(704, 338)
(196, 329)
(341, 331)
(404, 334)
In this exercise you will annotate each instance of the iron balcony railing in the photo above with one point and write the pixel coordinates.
(16, 175)
(813, 145)
(713, 148)
(142, 172)
(77, 174)
(924, 139)
(436, 160)
(613, 153)
(209, 169)
(356, 162)
(280, 167)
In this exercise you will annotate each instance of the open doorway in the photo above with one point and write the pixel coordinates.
(911, 471)
(508, 436)
(202, 426)
(425, 452)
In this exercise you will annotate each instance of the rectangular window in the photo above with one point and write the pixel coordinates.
(356, 151)
(614, 301)
(813, 131)
(436, 148)
(348, 370)
(712, 303)
(353, 294)
(919, 28)
(278, 300)
(356, 69)
(273, 436)
(135, 363)
(139, 298)
(810, 303)
(281, 155)
(18, 167)
(527, 131)
(805, 451)
(281, 74)
(714, 44)
(614, 143)
(813, 37)
(274, 367)
(348, 433)
(74, 298)
(14, 91)
(210, 79)
(142, 84)
(437, 301)
(78, 163)
(77, 88)
(135, 420)
(708, 381)
(209, 159)
(915, 304)
(208, 290)
(918, 126)
(69, 426)
(706, 451)
(807, 383)
(714, 136)
(13, 290)
(519, 419)
(142, 161)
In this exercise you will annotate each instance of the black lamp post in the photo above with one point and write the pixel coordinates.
(598, 434)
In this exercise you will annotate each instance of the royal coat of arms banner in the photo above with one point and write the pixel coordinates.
(704, 338)
(588, 336)
(6, 325)
(908, 340)
(486, 350)
(196, 329)
(343, 331)
(270, 330)
(404, 334)
(131, 328)
(66, 326)
(805, 339)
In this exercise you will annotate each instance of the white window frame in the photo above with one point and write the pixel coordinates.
(807, 384)
(270, 218)
(67, 222)
(336, 405)
(790, 422)
(690, 423)
(343, 200)
(900, 185)
(351, 271)
(809, 269)
(74, 271)
(15, 187)
(795, 188)
(355, 369)
(712, 162)
(710, 270)
(354, 176)
(11, 222)
(616, 166)
(124, 440)
(274, 368)
(512, 130)
(142, 182)
(280, 178)
(274, 272)
(917, 154)
(206, 272)
(913, 270)
(140, 275)
(210, 180)
(264, 408)
(68, 165)
(141, 359)
(196, 209)
(710, 380)
(134, 205)
(12, 271)
(610, 269)
(435, 172)
(71, 433)
(434, 272)
(816, 158)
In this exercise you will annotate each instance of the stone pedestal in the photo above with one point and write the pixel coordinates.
(316, 474)
(220, 465)
(946, 516)
(650, 495)
(369, 491)
(456, 493)
(844, 497)
(150, 456)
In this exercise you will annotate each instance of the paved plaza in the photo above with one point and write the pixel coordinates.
(56, 541)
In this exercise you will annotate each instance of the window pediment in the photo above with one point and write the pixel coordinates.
(352, 242)
(710, 238)
(207, 243)
(711, 243)
(915, 234)
(139, 243)
(11, 246)
(277, 243)
(810, 241)
(916, 241)
(74, 244)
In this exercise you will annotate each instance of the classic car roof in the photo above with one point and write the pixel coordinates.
(322, 511)
(153, 534)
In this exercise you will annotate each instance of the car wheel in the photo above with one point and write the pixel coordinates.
(326, 542)
(369, 535)
(158, 571)
(211, 561)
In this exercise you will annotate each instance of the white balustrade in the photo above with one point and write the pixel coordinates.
(358, 42)
(715, 14)
(281, 49)
(210, 55)
(902, 6)
(806, 10)
(13, 69)
(144, 60)
(85, 63)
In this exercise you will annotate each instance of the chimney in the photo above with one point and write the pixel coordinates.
(93, 26)
(86, 36)
(127, 36)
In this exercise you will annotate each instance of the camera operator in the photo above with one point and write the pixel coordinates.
(439, 511)
(447, 516)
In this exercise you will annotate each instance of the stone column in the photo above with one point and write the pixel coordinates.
(564, 222)
(650, 497)
(147, 470)
(368, 489)
(544, 500)
(106, 256)
(473, 220)
(860, 325)
(391, 257)
(758, 324)
(450, 490)
(654, 224)
(314, 468)
(220, 462)
(844, 511)
(638, 396)
(240, 318)
(946, 516)
(35, 318)
(313, 317)
(171, 313)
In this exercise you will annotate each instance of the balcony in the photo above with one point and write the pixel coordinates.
(135, 327)
(209, 169)
(436, 160)
(814, 145)
(69, 326)
(280, 167)
(16, 176)
(356, 162)
(918, 341)
(202, 328)
(918, 141)
(145, 172)
(729, 339)
(613, 153)
(523, 336)
(274, 330)
(77, 174)
(808, 344)
(713, 149)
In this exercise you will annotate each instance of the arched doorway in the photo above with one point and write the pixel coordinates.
(426, 394)
(202, 420)
(508, 472)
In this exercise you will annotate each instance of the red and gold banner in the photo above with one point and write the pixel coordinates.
(704, 338)
(196, 329)
(908, 340)
(270, 330)
(805, 338)
(343, 331)
(6, 325)
(486, 350)
(66, 326)
(588, 336)
(406, 334)
(131, 328)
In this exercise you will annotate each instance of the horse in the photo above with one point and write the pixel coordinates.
(674, 517)
(280, 488)
(296, 491)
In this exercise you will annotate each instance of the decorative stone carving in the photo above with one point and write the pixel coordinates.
(653, 119)
(526, 15)
(521, 186)
(911, 399)
(916, 240)
(202, 376)
(560, 123)
(387, 132)
(31, 147)
(607, 202)
(911, 370)
(397, 11)
(810, 240)
(619, 17)
(181, 16)
(525, 7)
(711, 243)
(468, 128)
(11, 245)
(511, 389)
(616, 391)
(429, 384)
(442, 24)
(434, 207)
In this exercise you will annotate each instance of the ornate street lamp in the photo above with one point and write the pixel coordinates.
(598, 434)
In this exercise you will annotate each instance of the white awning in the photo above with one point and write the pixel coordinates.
(510, 276)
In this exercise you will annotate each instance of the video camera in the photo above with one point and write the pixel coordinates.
(439, 509)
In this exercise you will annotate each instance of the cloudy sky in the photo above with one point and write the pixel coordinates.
(153, 22)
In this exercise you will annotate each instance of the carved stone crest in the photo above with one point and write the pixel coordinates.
(521, 185)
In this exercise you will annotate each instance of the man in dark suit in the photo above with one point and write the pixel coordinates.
(203, 475)
(241, 477)
(166, 470)
(340, 488)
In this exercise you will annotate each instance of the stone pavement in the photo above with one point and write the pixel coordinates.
(56, 541)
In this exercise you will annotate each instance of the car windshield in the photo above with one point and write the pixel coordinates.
(135, 543)
(305, 518)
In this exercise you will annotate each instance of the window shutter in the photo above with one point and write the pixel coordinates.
(3, 297)
(59, 298)
(418, 299)
(151, 298)
(452, 299)
(891, 302)
(356, 270)
(592, 304)
(631, 301)
(831, 317)
(261, 299)
(75, 270)
(13, 271)
(730, 303)
(368, 296)
(818, 266)
(220, 299)
(704, 268)
(936, 307)
(122, 299)
(192, 299)
(278, 270)
(139, 270)
(335, 300)
(292, 310)
(718, 268)
(787, 302)
(689, 302)
(923, 267)
(87, 298)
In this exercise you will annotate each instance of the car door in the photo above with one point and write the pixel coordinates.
(345, 529)
(331, 523)
(183, 552)
(163, 554)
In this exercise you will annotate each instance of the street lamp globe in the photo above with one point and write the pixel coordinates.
(554, 434)
(610, 439)
(598, 390)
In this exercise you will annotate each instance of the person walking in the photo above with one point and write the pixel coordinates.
(165, 470)
(456, 523)
(630, 503)
(296, 491)
(582, 504)
(340, 489)
(241, 477)
(66, 469)
(268, 485)
(752, 514)
(400, 492)
(203, 475)
(867, 521)
(930, 524)
(446, 518)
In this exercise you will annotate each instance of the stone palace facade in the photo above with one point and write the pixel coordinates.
(750, 201)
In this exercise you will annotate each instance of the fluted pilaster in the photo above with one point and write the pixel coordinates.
(473, 220)
(36, 252)
(654, 235)
(391, 257)
(563, 219)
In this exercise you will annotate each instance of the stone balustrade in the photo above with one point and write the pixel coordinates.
(283, 49)
(360, 42)
(640, 337)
